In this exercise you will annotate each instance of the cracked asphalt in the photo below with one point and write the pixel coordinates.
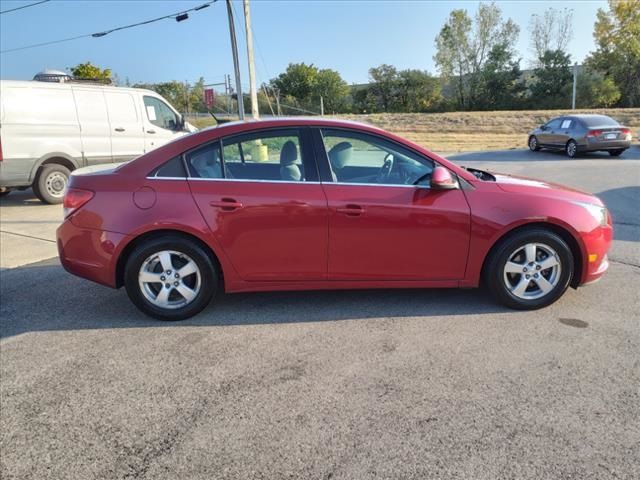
(356, 384)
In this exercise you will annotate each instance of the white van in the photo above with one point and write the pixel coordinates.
(48, 130)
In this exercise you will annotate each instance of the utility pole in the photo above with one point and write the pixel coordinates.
(252, 67)
(575, 80)
(278, 102)
(236, 65)
(321, 106)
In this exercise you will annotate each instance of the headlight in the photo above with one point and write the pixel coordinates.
(600, 214)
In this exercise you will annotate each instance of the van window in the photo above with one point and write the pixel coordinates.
(121, 107)
(159, 113)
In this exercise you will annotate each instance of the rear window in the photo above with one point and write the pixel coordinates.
(599, 121)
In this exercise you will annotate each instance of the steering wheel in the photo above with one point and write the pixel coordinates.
(385, 170)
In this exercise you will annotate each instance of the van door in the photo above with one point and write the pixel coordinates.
(127, 137)
(95, 131)
(161, 123)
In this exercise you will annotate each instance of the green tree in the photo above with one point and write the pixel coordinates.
(594, 90)
(502, 87)
(552, 81)
(90, 71)
(418, 91)
(303, 85)
(617, 36)
(384, 86)
(463, 46)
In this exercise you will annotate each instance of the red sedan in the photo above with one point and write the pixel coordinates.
(321, 204)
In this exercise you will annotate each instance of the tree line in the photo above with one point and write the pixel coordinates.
(478, 69)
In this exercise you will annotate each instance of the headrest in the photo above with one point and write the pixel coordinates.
(288, 154)
(340, 155)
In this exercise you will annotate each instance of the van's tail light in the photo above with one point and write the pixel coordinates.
(75, 198)
(594, 133)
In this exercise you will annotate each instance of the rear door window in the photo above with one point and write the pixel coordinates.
(271, 155)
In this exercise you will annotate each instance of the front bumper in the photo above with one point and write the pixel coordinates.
(89, 253)
(597, 244)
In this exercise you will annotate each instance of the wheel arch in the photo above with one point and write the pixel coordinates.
(131, 245)
(56, 159)
(561, 231)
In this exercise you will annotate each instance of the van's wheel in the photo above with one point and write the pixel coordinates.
(571, 149)
(529, 269)
(170, 278)
(51, 183)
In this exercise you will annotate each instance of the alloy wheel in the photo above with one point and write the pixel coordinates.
(532, 271)
(169, 279)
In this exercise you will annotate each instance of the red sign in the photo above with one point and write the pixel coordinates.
(209, 97)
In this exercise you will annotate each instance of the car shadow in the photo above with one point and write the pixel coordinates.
(22, 198)
(623, 204)
(30, 304)
(526, 155)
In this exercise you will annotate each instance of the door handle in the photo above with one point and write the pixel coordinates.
(226, 204)
(151, 131)
(119, 129)
(351, 210)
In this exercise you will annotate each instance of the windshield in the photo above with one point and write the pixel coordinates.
(599, 121)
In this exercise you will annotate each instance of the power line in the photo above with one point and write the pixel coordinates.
(24, 6)
(179, 16)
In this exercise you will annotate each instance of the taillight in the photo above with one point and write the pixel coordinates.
(75, 198)
(626, 131)
(594, 133)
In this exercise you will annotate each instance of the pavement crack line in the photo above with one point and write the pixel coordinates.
(27, 236)
(624, 263)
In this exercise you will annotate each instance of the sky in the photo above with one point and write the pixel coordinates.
(347, 36)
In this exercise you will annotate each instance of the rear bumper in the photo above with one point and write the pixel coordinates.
(596, 145)
(89, 253)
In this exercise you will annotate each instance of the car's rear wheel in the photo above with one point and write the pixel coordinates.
(530, 269)
(571, 149)
(616, 153)
(170, 278)
(533, 144)
(51, 183)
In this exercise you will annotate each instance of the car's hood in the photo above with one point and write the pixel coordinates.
(516, 184)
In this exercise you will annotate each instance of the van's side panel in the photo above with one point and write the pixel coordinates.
(127, 136)
(94, 125)
(39, 122)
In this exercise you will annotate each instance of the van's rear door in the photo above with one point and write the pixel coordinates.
(127, 137)
(95, 131)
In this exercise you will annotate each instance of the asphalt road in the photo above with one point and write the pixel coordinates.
(358, 384)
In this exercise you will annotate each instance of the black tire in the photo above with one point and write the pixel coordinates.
(616, 153)
(571, 149)
(209, 276)
(51, 183)
(496, 279)
(534, 146)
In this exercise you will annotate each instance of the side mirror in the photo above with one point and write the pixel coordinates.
(543, 127)
(180, 124)
(441, 179)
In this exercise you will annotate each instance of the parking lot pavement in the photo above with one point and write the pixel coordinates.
(356, 384)
(27, 229)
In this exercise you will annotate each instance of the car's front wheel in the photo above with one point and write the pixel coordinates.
(530, 269)
(571, 149)
(170, 278)
(533, 144)
(616, 153)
